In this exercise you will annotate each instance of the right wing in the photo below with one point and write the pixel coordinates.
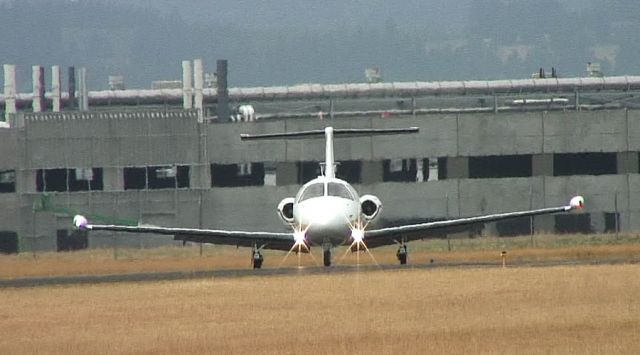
(266, 240)
(392, 235)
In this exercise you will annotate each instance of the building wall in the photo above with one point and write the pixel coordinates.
(114, 141)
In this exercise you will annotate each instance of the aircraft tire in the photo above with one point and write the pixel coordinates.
(256, 262)
(327, 257)
(403, 259)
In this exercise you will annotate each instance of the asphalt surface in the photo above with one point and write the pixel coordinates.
(234, 273)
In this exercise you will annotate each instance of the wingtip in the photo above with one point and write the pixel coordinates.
(80, 222)
(577, 203)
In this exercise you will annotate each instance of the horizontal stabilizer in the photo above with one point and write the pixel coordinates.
(338, 132)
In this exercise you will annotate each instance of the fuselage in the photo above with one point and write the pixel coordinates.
(327, 209)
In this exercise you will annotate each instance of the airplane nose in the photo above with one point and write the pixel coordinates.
(324, 217)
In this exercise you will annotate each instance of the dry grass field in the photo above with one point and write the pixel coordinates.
(486, 249)
(551, 310)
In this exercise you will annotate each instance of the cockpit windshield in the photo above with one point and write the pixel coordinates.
(311, 191)
(339, 190)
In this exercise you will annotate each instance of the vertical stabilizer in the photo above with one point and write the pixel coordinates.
(330, 164)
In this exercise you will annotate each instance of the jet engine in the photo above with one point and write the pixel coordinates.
(370, 206)
(285, 210)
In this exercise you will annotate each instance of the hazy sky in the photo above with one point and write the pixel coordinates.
(282, 42)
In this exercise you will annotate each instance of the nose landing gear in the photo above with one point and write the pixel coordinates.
(256, 258)
(402, 254)
(326, 253)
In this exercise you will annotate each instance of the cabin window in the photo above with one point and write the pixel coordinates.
(312, 191)
(339, 190)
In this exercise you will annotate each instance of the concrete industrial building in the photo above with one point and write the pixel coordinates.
(478, 151)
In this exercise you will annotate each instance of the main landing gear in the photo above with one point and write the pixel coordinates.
(326, 254)
(256, 258)
(402, 254)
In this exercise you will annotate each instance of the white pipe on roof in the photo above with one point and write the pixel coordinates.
(319, 91)
(37, 79)
(9, 90)
(56, 89)
(187, 86)
(83, 93)
(198, 79)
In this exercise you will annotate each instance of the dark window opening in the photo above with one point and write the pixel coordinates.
(573, 223)
(156, 177)
(350, 171)
(85, 179)
(168, 177)
(500, 166)
(8, 242)
(76, 240)
(585, 164)
(183, 178)
(611, 222)
(307, 171)
(53, 180)
(442, 168)
(234, 175)
(514, 226)
(270, 174)
(399, 170)
(431, 169)
(7, 181)
(62, 180)
(135, 178)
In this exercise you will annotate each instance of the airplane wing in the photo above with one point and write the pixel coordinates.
(266, 240)
(392, 235)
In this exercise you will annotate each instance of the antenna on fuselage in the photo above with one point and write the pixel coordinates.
(329, 133)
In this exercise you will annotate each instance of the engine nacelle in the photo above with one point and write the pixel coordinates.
(370, 206)
(285, 210)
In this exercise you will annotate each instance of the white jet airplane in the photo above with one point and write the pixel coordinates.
(326, 212)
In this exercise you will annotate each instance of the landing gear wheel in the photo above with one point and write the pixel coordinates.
(326, 253)
(403, 259)
(257, 259)
(402, 254)
(327, 257)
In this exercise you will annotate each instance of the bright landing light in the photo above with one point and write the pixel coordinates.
(299, 243)
(357, 235)
(299, 238)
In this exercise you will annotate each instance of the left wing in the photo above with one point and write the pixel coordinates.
(266, 240)
(392, 235)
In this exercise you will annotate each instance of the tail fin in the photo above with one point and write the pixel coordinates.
(329, 133)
